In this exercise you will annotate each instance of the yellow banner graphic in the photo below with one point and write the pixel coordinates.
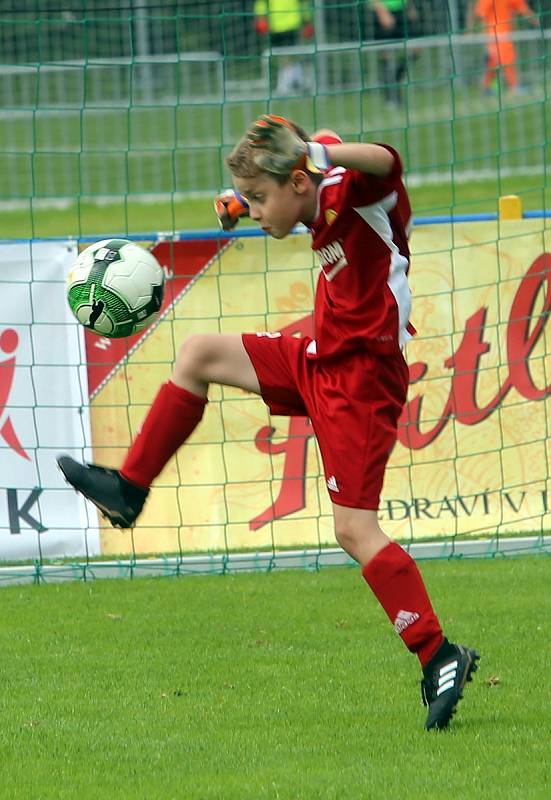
(472, 455)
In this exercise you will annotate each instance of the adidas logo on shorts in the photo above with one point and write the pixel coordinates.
(332, 484)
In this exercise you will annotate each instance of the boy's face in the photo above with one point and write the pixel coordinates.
(277, 208)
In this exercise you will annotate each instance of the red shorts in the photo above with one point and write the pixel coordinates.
(353, 403)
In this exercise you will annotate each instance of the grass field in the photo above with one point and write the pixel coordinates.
(90, 219)
(74, 145)
(134, 156)
(289, 685)
(60, 159)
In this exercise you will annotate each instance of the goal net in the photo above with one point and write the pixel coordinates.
(120, 107)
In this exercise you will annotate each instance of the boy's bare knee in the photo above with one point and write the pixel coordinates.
(360, 537)
(191, 358)
(347, 536)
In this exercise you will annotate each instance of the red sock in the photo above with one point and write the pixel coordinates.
(173, 416)
(398, 586)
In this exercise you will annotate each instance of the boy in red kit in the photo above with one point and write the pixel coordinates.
(351, 379)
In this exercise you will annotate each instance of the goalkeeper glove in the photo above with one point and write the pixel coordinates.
(230, 206)
(284, 150)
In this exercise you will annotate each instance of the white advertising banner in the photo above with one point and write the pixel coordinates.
(43, 406)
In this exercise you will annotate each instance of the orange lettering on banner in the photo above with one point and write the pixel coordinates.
(292, 494)
(521, 340)
(9, 340)
(523, 332)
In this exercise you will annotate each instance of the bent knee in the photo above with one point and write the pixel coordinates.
(194, 355)
(346, 536)
(353, 533)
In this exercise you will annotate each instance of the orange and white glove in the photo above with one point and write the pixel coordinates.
(230, 206)
(282, 149)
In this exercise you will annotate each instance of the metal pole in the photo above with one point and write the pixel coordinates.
(141, 29)
(320, 59)
(456, 49)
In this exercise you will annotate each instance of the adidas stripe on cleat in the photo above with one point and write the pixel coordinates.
(118, 499)
(444, 678)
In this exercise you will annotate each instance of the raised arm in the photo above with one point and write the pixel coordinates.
(371, 158)
(281, 150)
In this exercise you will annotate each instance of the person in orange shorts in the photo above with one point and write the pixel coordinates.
(498, 17)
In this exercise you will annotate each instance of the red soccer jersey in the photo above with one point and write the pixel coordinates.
(360, 236)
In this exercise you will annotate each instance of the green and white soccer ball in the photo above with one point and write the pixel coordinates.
(115, 288)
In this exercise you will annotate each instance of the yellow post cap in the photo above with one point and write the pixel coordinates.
(510, 207)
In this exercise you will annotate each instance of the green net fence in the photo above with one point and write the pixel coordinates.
(116, 118)
(119, 102)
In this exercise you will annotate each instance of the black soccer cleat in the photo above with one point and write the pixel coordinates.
(118, 499)
(444, 678)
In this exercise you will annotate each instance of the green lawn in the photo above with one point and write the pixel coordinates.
(71, 148)
(89, 219)
(289, 685)
(447, 132)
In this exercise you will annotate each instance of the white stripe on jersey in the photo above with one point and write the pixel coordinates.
(334, 171)
(334, 175)
(376, 216)
(331, 181)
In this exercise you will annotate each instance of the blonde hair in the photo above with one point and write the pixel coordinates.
(241, 161)
(242, 164)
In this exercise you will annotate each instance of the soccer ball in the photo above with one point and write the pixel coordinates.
(115, 288)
